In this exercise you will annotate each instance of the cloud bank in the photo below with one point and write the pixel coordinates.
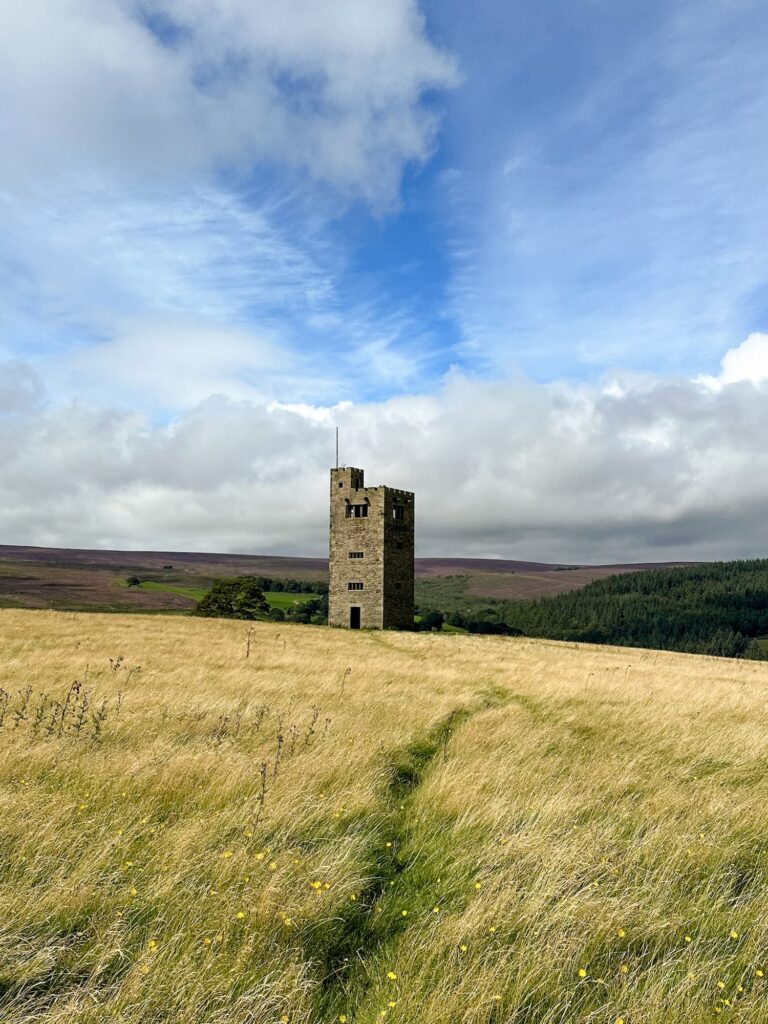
(635, 468)
(332, 88)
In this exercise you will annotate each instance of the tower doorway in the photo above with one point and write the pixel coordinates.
(354, 617)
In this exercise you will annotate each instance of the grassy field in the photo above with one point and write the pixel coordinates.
(284, 600)
(227, 824)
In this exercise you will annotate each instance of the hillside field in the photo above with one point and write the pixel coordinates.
(224, 823)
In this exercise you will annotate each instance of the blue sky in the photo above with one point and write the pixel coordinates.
(325, 206)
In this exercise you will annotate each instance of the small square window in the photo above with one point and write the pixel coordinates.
(354, 586)
(356, 554)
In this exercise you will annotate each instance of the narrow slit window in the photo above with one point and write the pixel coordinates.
(398, 512)
(355, 586)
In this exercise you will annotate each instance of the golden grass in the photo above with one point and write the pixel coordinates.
(454, 829)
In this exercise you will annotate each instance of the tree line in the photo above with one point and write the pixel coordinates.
(718, 608)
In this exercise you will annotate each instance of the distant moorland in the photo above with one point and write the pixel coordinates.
(83, 580)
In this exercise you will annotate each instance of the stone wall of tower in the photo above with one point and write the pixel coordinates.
(399, 516)
(384, 540)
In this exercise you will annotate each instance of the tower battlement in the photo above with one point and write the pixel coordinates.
(371, 554)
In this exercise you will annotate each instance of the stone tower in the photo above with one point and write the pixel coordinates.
(371, 554)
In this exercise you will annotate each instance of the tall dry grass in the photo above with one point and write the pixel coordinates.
(367, 827)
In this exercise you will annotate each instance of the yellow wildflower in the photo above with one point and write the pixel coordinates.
(582, 973)
(621, 933)
(391, 975)
(240, 915)
(734, 934)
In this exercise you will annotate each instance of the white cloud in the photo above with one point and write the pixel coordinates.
(331, 87)
(653, 468)
(746, 362)
(173, 362)
(91, 252)
(157, 297)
